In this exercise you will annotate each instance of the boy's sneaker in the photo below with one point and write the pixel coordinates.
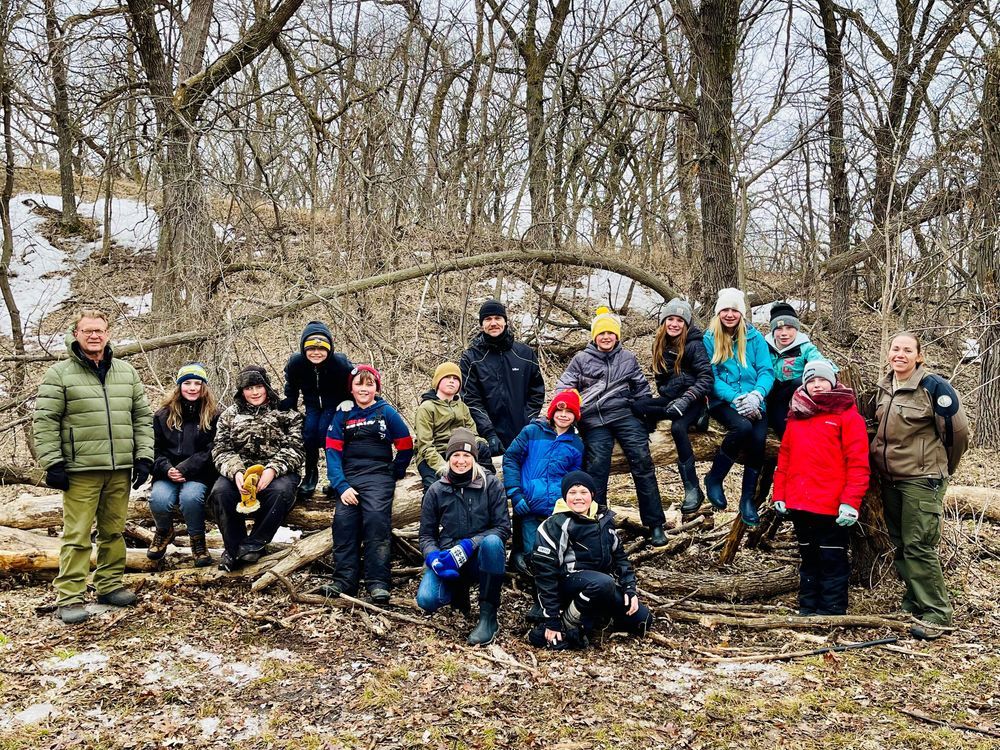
(227, 563)
(72, 614)
(121, 597)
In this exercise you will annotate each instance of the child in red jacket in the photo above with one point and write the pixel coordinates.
(821, 477)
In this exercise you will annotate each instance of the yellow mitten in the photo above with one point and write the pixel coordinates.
(248, 492)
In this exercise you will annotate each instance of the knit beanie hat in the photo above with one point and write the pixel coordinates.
(492, 307)
(783, 314)
(462, 439)
(192, 371)
(443, 370)
(569, 398)
(605, 321)
(819, 368)
(579, 477)
(317, 341)
(730, 297)
(680, 308)
(253, 375)
(358, 369)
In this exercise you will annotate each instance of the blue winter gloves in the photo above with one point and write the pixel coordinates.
(446, 562)
(521, 507)
(779, 507)
(748, 405)
(847, 516)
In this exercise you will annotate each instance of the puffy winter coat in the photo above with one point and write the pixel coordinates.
(93, 417)
(788, 362)
(823, 460)
(501, 384)
(922, 428)
(361, 441)
(569, 542)
(534, 466)
(435, 420)
(694, 381)
(450, 513)
(248, 435)
(189, 449)
(607, 381)
(323, 386)
(733, 379)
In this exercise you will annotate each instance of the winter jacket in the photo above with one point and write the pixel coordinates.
(93, 417)
(608, 382)
(694, 382)
(360, 441)
(789, 362)
(323, 386)
(922, 427)
(248, 435)
(733, 379)
(501, 384)
(189, 449)
(435, 420)
(450, 513)
(569, 542)
(823, 460)
(534, 466)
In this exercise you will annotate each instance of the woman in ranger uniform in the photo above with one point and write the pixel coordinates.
(922, 434)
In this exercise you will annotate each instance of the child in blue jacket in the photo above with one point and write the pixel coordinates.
(363, 473)
(744, 376)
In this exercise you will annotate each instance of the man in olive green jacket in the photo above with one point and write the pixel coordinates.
(93, 432)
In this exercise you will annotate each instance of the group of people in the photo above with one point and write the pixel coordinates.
(96, 436)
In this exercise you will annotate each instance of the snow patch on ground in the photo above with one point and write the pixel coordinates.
(88, 661)
(761, 314)
(36, 713)
(138, 305)
(237, 672)
(285, 535)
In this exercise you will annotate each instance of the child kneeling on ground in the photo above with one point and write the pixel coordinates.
(822, 475)
(585, 582)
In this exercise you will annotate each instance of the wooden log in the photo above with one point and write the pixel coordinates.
(733, 588)
(26, 552)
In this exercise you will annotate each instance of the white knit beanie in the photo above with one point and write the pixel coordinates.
(730, 297)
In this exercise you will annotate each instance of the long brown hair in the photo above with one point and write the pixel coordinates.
(209, 408)
(662, 341)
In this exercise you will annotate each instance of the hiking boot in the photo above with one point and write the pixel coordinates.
(488, 626)
(693, 496)
(535, 614)
(924, 630)
(748, 512)
(657, 538)
(121, 597)
(249, 554)
(713, 480)
(72, 614)
(379, 596)
(161, 540)
(199, 550)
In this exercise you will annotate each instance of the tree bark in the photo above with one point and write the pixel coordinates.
(732, 588)
(61, 121)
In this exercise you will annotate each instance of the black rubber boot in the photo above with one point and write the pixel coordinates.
(713, 480)
(311, 477)
(693, 496)
(488, 626)
(656, 537)
(747, 510)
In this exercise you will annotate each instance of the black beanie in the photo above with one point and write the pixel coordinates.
(783, 314)
(492, 307)
(579, 477)
(253, 375)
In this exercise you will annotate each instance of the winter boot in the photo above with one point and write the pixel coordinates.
(310, 479)
(72, 614)
(693, 496)
(488, 626)
(535, 614)
(120, 597)
(656, 537)
(747, 510)
(199, 550)
(161, 540)
(713, 480)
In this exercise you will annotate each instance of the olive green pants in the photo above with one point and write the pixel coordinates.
(913, 510)
(100, 496)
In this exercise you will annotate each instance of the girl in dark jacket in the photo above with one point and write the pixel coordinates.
(183, 431)
(584, 579)
(684, 380)
(464, 525)
(609, 379)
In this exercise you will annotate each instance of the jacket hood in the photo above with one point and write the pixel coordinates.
(563, 507)
(499, 343)
(432, 395)
(695, 333)
(800, 338)
(314, 327)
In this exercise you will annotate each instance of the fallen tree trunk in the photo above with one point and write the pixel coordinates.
(729, 587)
(26, 552)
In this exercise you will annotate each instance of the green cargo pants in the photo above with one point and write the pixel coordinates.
(913, 510)
(100, 495)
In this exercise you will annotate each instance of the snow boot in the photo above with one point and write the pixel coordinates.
(656, 537)
(713, 480)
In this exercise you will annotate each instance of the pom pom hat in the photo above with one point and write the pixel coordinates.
(605, 321)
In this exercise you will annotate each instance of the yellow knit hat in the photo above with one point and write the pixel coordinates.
(443, 370)
(605, 321)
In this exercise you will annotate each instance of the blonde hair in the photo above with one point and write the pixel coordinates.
(209, 408)
(99, 314)
(723, 341)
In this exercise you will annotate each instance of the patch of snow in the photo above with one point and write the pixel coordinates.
(970, 350)
(761, 314)
(252, 727)
(89, 661)
(285, 535)
(279, 654)
(138, 305)
(133, 224)
(756, 672)
(234, 672)
(208, 726)
(34, 714)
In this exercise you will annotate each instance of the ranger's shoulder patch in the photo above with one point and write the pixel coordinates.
(943, 395)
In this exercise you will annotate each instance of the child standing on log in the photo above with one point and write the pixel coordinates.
(363, 473)
(821, 477)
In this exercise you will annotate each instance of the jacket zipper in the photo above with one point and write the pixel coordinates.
(107, 411)
(885, 433)
(72, 444)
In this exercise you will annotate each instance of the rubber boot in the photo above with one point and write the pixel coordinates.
(713, 480)
(747, 510)
(311, 477)
(488, 626)
(693, 496)
(656, 537)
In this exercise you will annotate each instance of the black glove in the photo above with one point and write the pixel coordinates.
(676, 408)
(140, 472)
(56, 476)
(496, 447)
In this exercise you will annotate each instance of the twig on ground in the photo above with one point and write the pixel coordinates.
(943, 723)
(788, 656)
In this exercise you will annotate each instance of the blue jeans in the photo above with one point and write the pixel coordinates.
(167, 496)
(486, 565)
(529, 527)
